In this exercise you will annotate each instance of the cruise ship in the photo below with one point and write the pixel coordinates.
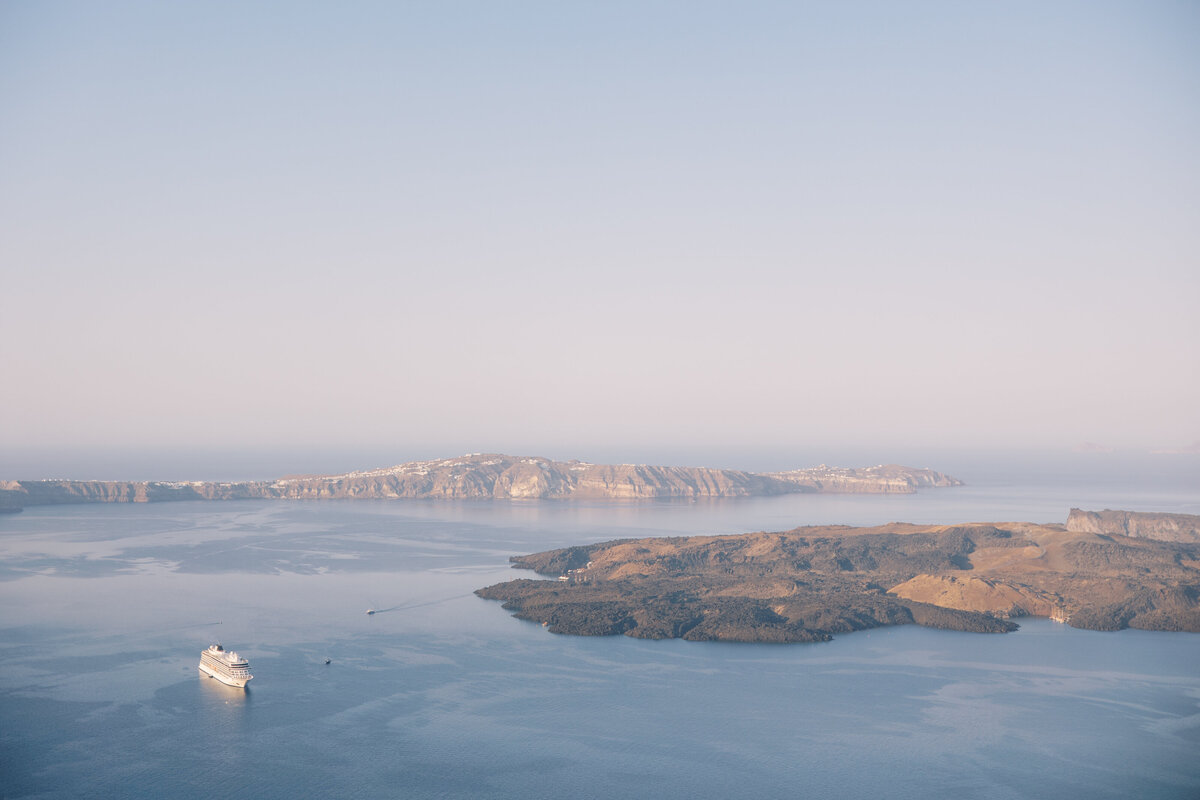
(225, 666)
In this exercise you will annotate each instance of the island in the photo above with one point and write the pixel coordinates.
(807, 584)
(491, 476)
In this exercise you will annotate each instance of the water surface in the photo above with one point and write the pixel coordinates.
(104, 610)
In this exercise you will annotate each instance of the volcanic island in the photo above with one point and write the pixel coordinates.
(1101, 571)
(491, 476)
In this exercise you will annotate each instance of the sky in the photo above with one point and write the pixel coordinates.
(557, 228)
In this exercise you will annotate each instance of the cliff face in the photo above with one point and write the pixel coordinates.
(61, 492)
(490, 476)
(811, 583)
(1136, 524)
(882, 479)
(510, 477)
(12, 497)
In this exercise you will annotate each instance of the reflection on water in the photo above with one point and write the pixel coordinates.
(222, 703)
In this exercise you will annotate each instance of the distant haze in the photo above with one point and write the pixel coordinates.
(561, 228)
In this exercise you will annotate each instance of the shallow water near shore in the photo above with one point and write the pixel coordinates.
(104, 610)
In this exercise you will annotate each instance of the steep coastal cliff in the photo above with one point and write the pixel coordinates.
(512, 477)
(882, 479)
(1137, 524)
(11, 497)
(491, 476)
(808, 584)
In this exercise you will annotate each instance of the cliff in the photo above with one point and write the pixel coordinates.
(513, 477)
(1137, 524)
(11, 497)
(882, 479)
(61, 492)
(808, 584)
(490, 476)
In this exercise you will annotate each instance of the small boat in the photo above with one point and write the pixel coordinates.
(328, 660)
(370, 611)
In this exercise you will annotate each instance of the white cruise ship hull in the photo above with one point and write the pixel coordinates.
(225, 666)
(240, 683)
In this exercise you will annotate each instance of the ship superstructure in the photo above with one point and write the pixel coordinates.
(225, 665)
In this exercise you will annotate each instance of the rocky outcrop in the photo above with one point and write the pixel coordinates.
(490, 476)
(1137, 524)
(809, 584)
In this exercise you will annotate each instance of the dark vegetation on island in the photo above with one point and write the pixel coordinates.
(808, 584)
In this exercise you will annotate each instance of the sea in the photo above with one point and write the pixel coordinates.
(104, 610)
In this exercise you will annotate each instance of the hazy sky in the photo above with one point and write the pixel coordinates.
(535, 227)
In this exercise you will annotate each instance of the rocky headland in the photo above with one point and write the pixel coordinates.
(1137, 524)
(810, 583)
(491, 476)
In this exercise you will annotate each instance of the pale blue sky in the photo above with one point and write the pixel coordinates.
(536, 227)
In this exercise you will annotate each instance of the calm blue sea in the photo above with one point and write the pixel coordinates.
(104, 611)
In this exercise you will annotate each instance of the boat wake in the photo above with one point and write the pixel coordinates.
(407, 606)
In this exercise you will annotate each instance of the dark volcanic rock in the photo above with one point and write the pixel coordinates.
(809, 584)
